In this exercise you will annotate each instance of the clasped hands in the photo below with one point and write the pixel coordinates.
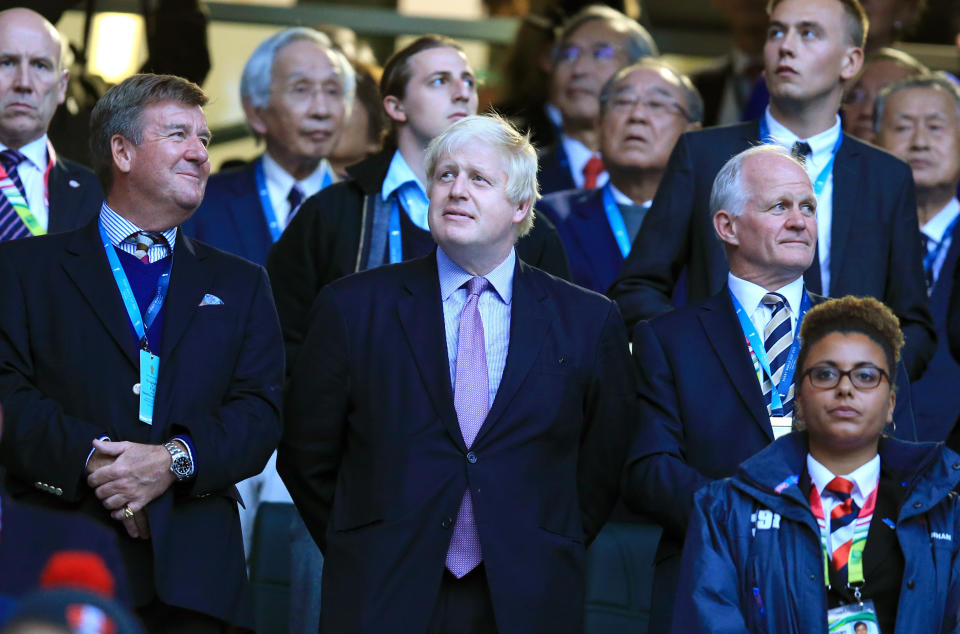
(129, 475)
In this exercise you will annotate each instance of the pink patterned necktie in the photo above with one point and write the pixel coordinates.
(471, 398)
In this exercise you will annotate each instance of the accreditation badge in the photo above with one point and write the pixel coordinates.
(149, 373)
(856, 618)
(782, 425)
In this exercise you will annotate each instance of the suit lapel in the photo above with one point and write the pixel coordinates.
(189, 281)
(595, 237)
(845, 170)
(86, 264)
(529, 324)
(421, 317)
(723, 331)
(247, 214)
(942, 287)
(60, 194)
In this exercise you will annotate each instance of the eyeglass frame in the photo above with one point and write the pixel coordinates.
(848, 374)
(646, 99)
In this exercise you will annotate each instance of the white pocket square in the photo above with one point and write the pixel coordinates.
(211, 300)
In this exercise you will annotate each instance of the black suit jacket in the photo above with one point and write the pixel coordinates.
(330, 237)
(373, 455)
(875, 245)
(29, 536)
(231, 216)
(554, 169)
(75, 196)
(68, 362)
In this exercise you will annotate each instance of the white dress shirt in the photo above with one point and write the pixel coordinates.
(865, 479)
(821, 146)
(280, 182)
(750, 295)
(415, 201)
(936, 229)
(578, 154)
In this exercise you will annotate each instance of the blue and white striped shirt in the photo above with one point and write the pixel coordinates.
(494, 308)
(119, 229)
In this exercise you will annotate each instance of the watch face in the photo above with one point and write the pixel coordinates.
(181, 466)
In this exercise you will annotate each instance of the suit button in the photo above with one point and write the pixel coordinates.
(910, 585)
(136, 389)
(472, 458)
(447, 522)
(956, 466)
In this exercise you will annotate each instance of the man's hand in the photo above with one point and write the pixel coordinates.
(97, 460)
(138, 527)
(137, 475)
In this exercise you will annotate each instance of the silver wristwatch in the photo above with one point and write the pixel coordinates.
(180, 463)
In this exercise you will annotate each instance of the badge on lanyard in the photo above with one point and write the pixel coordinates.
(149, 372)
(856, 618)
(782, 425)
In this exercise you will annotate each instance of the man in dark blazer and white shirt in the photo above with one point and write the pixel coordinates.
(60, 195)
(868, 244)
(296, 91)
(704, 406)
(141, 372)
(455, 425)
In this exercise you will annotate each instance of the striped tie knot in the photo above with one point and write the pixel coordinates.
(841, 487)
(144, 240)
(11, 159)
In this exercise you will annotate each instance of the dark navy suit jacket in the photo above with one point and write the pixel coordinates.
(231, 217)
(68, 363)
(554, 173)
(75, 196)
(374, 458)
(936, 396)
(29, 536)
(581, 221)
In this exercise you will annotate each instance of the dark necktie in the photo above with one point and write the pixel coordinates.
(591, 172)
(295, 198)
(801, 151)
(11, 225)
(841, 520)
(144, 240)
(471, 398)
(777, 341)
(929, 259)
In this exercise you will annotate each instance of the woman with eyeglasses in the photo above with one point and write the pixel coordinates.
(836, 525)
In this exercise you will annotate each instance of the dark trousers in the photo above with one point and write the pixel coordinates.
(160, 618)
(464, 605)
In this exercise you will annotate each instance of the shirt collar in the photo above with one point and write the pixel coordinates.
(453, 276)
(554, 114)
(820, 144)
(119, 228)
(35, 151)
(283, 181)
(937, 226)
(398, 174)
(750, 294)
(577, 153)
(864, 478)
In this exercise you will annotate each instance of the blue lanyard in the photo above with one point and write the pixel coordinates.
(140, 325)
(396, 244)
(615, 218)
(931, 257)
(269, 213)
(778, 395)
(827, 170)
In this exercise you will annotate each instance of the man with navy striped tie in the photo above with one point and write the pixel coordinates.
(39, 192)
(716, 377)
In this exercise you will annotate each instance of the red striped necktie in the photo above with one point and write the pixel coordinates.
(841, 520)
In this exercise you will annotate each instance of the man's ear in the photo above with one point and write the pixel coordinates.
(253, 118)
(394, 109)
(123, 151)
(724, 223)
(851, 64)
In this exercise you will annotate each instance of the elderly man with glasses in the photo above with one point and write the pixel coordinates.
(644, 108)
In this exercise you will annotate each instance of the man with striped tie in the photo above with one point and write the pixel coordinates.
(39, 191)
(140, 371)
(716, 378)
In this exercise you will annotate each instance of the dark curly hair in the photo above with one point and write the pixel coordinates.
(864, 315)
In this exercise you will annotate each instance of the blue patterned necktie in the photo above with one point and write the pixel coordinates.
(11, 225)
(777, 340)
(471, 398)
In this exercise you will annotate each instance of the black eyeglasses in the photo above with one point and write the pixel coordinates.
(864, 377)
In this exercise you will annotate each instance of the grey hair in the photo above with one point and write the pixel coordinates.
(936, 81)
(728, 192)
(692, 101)
(519, 154)
(258, 71)
(640, 43)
